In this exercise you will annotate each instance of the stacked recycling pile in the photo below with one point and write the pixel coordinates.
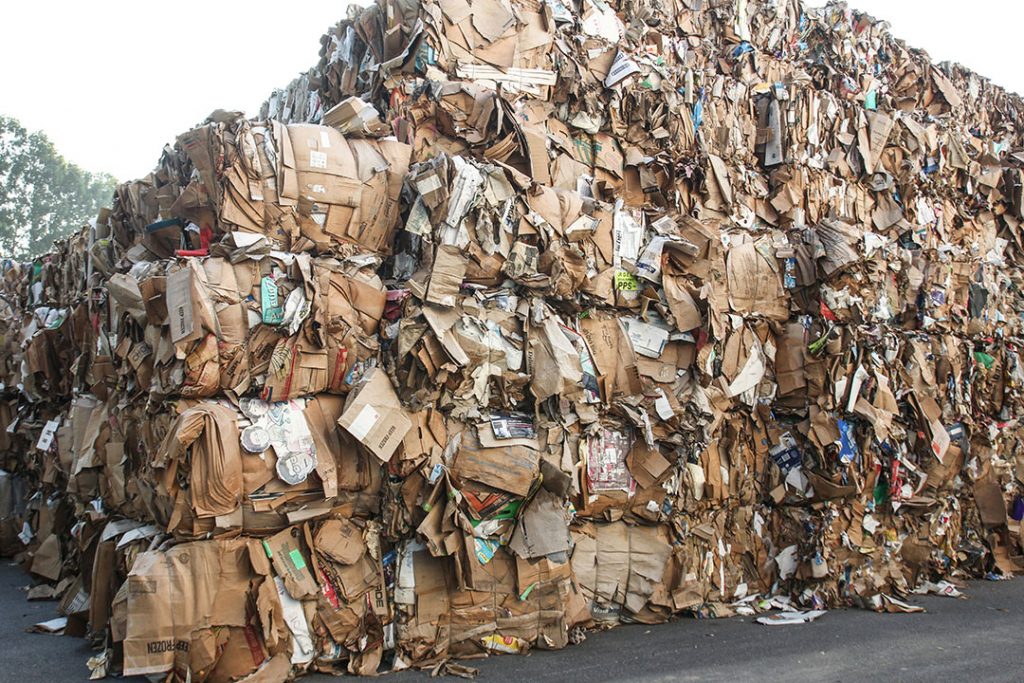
(513, 318)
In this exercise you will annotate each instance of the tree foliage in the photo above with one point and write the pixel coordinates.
(43, 197)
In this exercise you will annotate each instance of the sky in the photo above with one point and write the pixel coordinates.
(110, 81)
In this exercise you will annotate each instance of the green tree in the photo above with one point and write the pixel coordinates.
(42, 196)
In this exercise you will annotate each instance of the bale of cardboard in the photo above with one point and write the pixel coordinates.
(509, 320)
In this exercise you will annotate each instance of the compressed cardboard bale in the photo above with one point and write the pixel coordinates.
(560, 324)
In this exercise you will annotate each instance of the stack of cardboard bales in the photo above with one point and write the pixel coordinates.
(511, 319)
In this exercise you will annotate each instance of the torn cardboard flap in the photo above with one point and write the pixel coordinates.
(290, 559)
(446, 277)
(542, 528)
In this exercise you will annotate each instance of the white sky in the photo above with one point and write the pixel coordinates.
(112, 81)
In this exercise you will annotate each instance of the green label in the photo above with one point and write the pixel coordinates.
(297, 559)
(625, 282)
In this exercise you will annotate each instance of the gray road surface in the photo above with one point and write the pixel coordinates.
(979, 638)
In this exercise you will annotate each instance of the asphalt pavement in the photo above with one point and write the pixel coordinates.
(979, 638)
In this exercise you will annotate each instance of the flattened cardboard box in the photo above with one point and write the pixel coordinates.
(176, 597)
(508, 468)
(374, 415)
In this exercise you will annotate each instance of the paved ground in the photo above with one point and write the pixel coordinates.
(979, 637)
